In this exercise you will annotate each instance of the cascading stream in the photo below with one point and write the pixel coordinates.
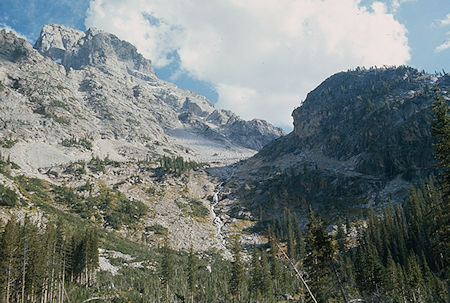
(217, 221)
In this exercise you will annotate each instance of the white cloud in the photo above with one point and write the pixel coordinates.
(264, 56)
(444, 46)
(445, 21)
(395, 4)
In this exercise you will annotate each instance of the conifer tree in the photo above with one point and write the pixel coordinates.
(9, 263)
(441, 131)
(275, 266)
(266, 282)
(441, 232)
(238, 276)
(319, 258)
(256, 275)
(167, 268)
(299, 239)
(192, 274)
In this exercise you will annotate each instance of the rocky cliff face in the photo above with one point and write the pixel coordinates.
(359, 138)
(76, 50)
(379, 119)
(85, 110)
(92, 85)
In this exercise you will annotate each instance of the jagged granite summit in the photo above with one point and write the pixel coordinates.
(361, 137)
(75, 85)
(76, 49)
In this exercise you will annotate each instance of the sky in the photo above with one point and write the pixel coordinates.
(258, 58)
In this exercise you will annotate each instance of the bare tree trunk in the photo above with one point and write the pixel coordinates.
(341, 287)
(24, 264)
(8, 281)
(44, 291)
(63, 278)
(295, 269)
(65, 292)
(52, 277)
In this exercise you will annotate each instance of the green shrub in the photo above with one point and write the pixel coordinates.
(134, 122)
(157, 229)
(117, 209)
(60, 119)
(98, 165)
(60, 104)
(8, 197)
(33, 187)
(198, 209)
(77, 168)
(7, 142)
(151, 190)
(75, 142)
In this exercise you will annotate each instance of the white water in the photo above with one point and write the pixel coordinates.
(217, 221)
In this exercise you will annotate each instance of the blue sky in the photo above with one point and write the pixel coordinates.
(258, 58)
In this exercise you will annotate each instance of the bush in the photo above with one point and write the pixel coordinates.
(7, 142)
(75, 142)
(198, 209)
(157, 229)
(8, 197)
(36, 188)
(118, 210)
(98, 165)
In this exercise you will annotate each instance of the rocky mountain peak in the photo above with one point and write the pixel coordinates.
(13, 48)
(56, 39)
(362, 135)
(76, 49)
(362, 112)
(93, 86)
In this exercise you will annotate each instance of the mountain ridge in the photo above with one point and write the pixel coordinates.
(360, 138)
(101, 87)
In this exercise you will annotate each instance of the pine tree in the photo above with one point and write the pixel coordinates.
(341, 238)
(275, 266)
(319, 258)
(441, 232)
(415, 282)
(36, 269)
(167, 268)
(266, 282)
(299, 239)
(192, 274)
(238, 277)
(9, 263)
(441, 131)
(256, 275)
(92, 255)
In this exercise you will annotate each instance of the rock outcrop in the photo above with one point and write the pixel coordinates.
(86, 108)
(76, 85)
(361, 137)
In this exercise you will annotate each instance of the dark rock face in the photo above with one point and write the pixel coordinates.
(360, 137)
(382, 118)
(246, 132)
(13, 48)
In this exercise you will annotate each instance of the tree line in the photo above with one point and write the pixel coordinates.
(36, 264)
(177, 165)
